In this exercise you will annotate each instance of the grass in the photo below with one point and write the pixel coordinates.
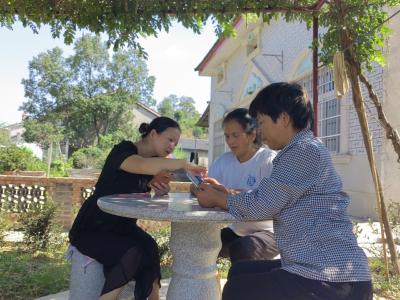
(27, 276)
(383, 289)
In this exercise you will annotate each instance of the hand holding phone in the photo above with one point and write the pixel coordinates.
(195, 179)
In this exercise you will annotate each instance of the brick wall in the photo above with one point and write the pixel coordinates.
(66, 192)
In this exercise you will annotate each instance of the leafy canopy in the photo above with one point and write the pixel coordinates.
(126, 20)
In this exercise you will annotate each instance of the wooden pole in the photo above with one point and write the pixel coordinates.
(362, 116)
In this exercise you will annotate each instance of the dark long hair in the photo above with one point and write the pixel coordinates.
(159, 124)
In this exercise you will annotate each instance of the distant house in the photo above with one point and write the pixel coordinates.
(261, 54)
(196, 150)
(16, 130)
(143, 114)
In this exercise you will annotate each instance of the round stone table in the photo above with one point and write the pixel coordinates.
(195, 238)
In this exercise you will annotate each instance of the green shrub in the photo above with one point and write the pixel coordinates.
(19, 158)
(89, 157)
(179, 153)
(37, 226)
(59, 168)
(162, 237)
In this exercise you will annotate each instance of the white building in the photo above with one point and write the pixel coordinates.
(16, 130)
(261, 54)
(143, 114)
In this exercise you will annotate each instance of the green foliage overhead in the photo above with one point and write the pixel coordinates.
(366, 25)
(126, 20)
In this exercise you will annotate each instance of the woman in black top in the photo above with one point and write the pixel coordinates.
(125, 250)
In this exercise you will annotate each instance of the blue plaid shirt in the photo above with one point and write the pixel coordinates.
(304, 198)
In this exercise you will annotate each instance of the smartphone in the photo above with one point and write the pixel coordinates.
(196, 180)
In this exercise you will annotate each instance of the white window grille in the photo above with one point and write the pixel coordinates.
(328, 108)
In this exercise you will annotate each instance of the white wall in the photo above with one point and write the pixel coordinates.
(390, 171)
(142, 116)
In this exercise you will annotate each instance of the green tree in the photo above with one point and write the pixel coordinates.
(4, 136)
(183, 110)
(168, 106)
(14, 158)
(42, 133)
(86, 95)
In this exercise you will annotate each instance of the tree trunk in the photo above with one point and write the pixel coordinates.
(359, 105)
(391, 133)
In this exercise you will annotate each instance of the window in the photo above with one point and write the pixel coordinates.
(325, 81)
(328, 108)
(329, 123)
(254, 83)
(328, 111)
(218, 140)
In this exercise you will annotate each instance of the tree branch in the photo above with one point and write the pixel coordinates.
(391, 133)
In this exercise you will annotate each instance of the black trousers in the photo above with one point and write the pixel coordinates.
(265, 280)
(256, 246)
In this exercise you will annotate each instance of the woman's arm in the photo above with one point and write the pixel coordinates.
(153, 165)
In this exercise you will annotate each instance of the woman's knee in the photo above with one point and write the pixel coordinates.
(242, 249)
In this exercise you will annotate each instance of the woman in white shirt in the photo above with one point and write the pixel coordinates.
(242, 169)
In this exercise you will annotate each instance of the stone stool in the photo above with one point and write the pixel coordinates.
(86, 282)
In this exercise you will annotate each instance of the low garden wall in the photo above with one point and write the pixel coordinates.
(20, 193)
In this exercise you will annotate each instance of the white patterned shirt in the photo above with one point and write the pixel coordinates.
(304, 197)
(233, 174)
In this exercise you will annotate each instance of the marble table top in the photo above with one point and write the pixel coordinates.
(178, 207)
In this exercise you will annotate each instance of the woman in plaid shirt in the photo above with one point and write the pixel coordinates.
(320, 258)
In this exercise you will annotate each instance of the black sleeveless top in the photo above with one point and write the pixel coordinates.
(112, 180)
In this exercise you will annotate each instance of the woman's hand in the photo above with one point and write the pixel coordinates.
(163, 176)
(216, 185)
(195, 169)
(208, 196)
(160, 188)
(193, 189)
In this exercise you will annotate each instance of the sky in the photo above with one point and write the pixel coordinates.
(172, 58)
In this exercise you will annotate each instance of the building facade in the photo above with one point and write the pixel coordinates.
(261, 54)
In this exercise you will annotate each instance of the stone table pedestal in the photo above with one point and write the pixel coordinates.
(195, 238)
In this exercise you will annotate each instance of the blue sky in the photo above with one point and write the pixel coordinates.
(172, 59)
